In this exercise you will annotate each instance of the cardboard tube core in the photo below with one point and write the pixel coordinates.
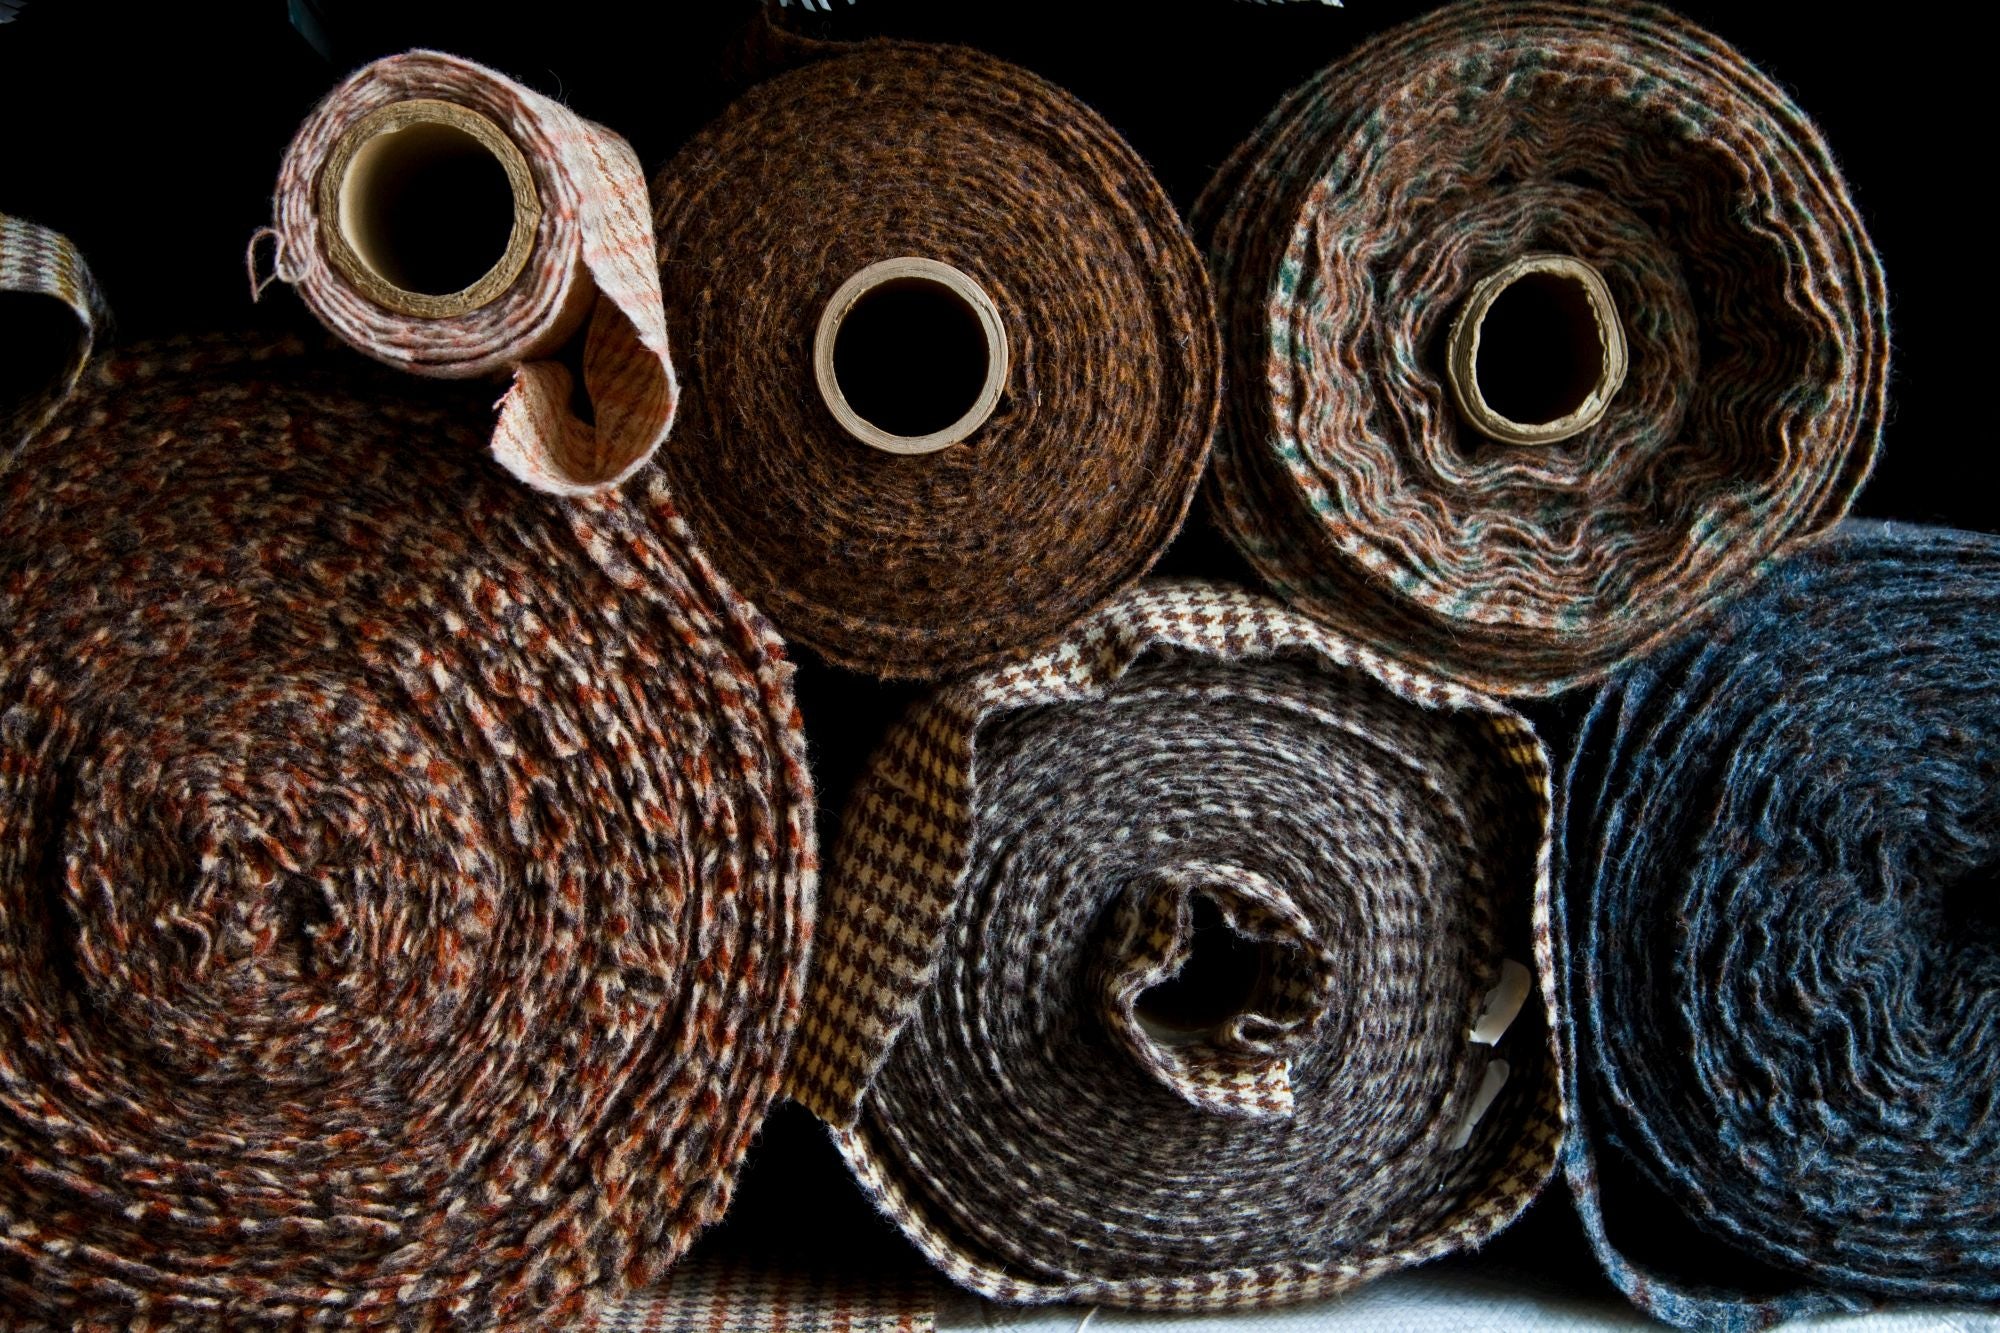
(428, 208)
(1536, 352)
(910, 356)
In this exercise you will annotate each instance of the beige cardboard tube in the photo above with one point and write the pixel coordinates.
(396, 140)
(968, 292)
(1583, 310)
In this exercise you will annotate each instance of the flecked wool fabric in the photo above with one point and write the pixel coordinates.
(1345, 234)
(1036, 849)
(921, 566)
(35, 261)
(405, 879)
(1783, 945)
(591, 258)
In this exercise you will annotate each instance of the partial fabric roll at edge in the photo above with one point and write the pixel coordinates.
(1783, 945)
(1188, 965)
(1699, 369)
(1059, 297)
(35, 261)
(405, 881)
(448, 221)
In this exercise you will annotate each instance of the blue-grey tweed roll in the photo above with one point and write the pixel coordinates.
(1782, 944)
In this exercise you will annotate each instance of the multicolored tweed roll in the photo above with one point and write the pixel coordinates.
(1348, 231)
(1783, 945)
(1150, 966)
(914, 566)
(35, 261)
(405, 880)
(580, 247)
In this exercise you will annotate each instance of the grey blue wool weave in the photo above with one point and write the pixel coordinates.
(1782, 956)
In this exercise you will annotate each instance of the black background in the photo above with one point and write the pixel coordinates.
(151, 135)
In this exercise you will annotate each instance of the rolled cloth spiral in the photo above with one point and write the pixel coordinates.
(446, 220)
(1064, 268)
(1165, 968)
(404, 881)
(1705, 295)
(1784, 944)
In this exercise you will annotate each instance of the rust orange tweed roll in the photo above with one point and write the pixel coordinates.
(405, 879)
(589, 256)
(1347, 233)
(922, 566)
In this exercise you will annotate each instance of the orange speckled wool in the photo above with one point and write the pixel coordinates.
(405, 879)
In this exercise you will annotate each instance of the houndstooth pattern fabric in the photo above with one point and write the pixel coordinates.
(593, 255)
(726, 1295)
(37, 261)
(940, 923)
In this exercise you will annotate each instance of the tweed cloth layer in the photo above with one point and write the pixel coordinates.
(35, 261)
(591, 256)
(1344, 236)
(1784, 946)
(1033, 852)
(738, 1296)
(405, 880)
(918, 566)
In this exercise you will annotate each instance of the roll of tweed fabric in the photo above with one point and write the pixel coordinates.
(404, 880)
(1024, 1021)
(35, 261)
(915, 566)
(1345, 234)
(1784, 945)
(587, 255)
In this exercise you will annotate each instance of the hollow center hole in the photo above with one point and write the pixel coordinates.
(1216, 983)
(40, 334)
(910, 357)
(1539, 351)
(427, 207)
(1972, 906)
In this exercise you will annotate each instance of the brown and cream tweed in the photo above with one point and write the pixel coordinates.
(35, 261)
(405, 879)
(591, 258)
(1345, 234)
(1037, 846)
(920, 566)
(725, 1295)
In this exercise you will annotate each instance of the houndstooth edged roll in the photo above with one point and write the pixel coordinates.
(1161, 969)
(405, 879)
(1783, 945)
(1353, 229)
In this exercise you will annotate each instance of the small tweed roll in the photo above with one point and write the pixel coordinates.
(1783, 957)
(581, 253)
(919, 566)
(35, 261)
(1152, 965)
(1347, 234)
(405, 880)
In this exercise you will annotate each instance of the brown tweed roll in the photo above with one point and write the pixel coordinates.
(404, 879)
(1151, 965)
(914, 566)
(1350, 231)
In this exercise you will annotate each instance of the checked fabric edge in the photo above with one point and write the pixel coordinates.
(908, 846)
(37, 261)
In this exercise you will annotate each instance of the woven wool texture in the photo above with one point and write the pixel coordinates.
(1035, 846)
(716, 1295)
(1344, 236)
(918, 566)
(1783, 945)
(591, 258)
(405, 880)
(35, 261)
